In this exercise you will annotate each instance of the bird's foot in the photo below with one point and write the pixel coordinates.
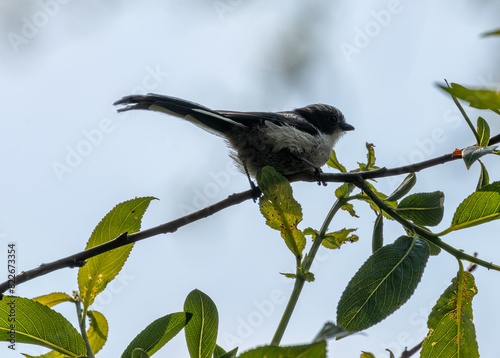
(255, 191)
(319, 174)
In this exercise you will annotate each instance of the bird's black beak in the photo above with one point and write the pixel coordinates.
(346, 127)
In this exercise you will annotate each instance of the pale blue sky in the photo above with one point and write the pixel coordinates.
(68, 157)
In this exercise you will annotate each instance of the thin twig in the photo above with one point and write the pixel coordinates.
(382, 172)
(301, 269)
(464, 114)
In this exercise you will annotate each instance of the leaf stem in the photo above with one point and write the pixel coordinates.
(81, 322)
(300, 279)
(461, 109)
(294, 297)
(308, 260)
(460, 298)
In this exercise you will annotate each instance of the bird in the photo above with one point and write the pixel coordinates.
(289, 141)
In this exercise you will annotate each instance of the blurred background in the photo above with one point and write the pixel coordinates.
(67, 157)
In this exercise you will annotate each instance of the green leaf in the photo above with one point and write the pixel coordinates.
(378, 233)
(38, 324)
(102, 269)
(313, 350)
(98, 330)
(404, 188)
(367, 355)
(373, 206)
(344, 190)
(329, 331)
(281, 210)
(478, 208)
(491, 33)
(230, 354)
(371, 355)
(54, 298)
(201, 331)
(473, 153)
(451, 330)
(484, 178)
(158, 333)
(434, 250)
(424, 209)
(333, 162)
(51, 354)
(308, 276)
(370, 160)
(483, 130)
(350, 209)
(480, 98)
(334, 240)
(370, 157)
(219, 352)
(383, 284)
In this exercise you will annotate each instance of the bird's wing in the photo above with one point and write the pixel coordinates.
(204, 117)
(250, 119)
(218, 122)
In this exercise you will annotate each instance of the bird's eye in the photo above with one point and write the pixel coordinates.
(334, 119)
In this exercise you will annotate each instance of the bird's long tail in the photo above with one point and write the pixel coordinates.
(202, 116)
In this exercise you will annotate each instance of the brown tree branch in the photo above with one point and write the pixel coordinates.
(78, 259)
(383, 172)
